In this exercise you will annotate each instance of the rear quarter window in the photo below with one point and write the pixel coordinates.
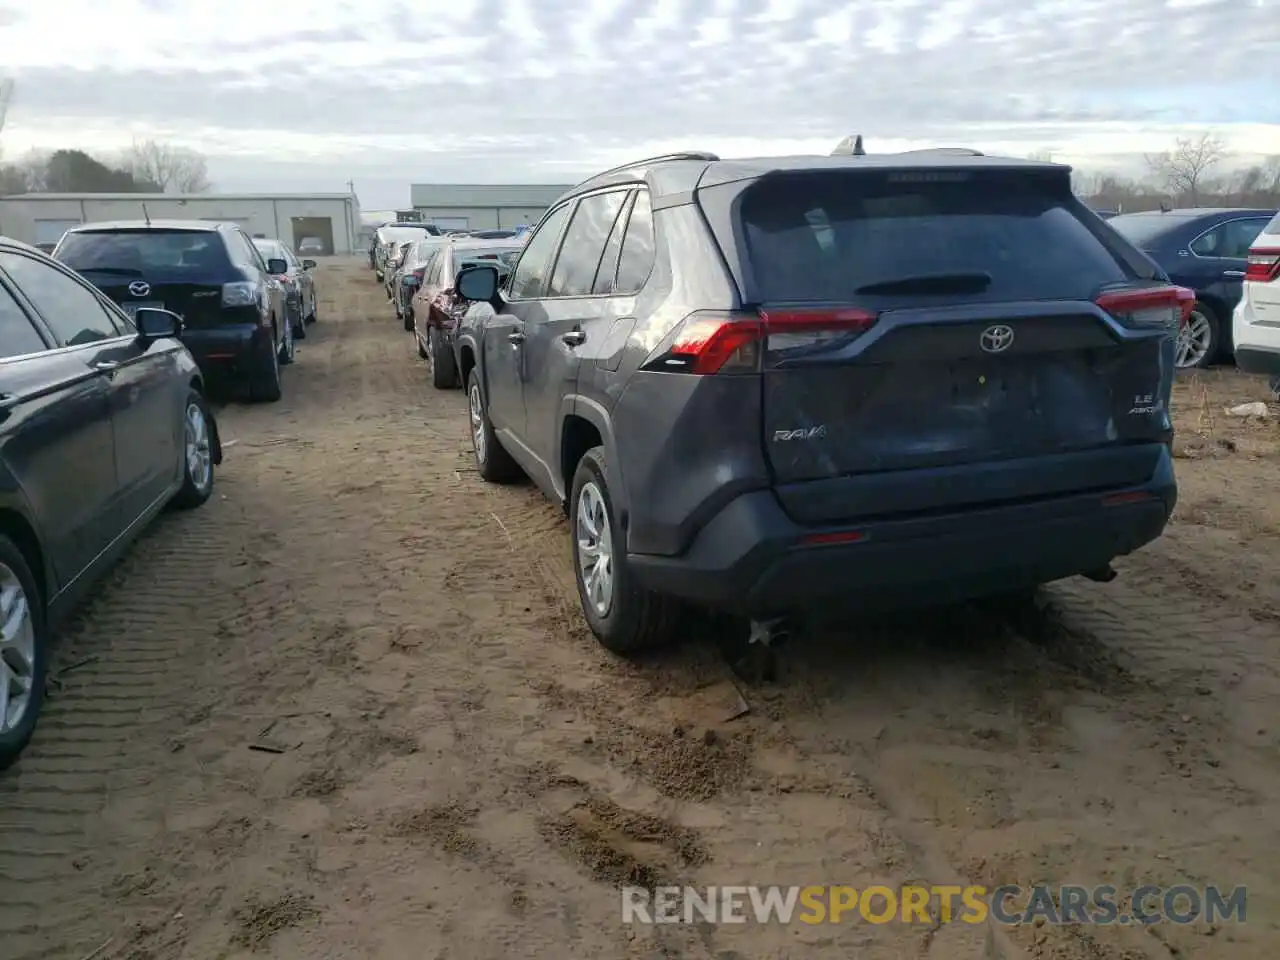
(822, 236)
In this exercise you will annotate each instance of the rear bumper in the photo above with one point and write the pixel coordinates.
(234, 350)
(752, 558)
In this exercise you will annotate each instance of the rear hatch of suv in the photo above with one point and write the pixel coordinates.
(179, 270)
(946, 336)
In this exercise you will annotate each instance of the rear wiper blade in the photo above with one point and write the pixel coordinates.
(114, 271)
(974, 282)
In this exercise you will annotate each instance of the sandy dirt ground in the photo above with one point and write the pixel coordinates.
(350, 710)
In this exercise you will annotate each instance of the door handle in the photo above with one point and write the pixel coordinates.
(105, 366)
(1233, 274)
(515, 338)
(574, 338)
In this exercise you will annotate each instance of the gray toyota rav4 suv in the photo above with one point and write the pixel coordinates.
(773, 386)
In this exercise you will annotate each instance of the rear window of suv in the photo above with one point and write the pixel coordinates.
(143, 251)
(824, 236)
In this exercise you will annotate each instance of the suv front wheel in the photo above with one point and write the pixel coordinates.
(624, 617)
(492, 460)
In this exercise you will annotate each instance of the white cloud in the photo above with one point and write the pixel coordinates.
(545, 89)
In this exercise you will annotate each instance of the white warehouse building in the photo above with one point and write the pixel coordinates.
(333, 218)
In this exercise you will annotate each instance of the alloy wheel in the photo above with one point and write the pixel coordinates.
(199, 457)
(595, 549)
(477, 423)
(1195, 339)
(17, 650)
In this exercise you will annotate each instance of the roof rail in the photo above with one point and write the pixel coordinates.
(960, 151)
(663, 158)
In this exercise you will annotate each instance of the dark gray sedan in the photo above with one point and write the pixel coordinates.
(103, 423)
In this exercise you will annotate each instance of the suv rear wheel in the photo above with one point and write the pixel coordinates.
(265, 383)
(624, 617)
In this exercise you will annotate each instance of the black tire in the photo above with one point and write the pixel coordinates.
(635, 619)
(1214, 350)
(264, 386)
(195, 490)
(444, 375)
(378, 274)
(422, 351)
(15, 739)
(315, 309)
(407, 316)
(493, 463)
(300, 328)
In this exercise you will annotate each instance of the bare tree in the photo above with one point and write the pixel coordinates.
(1183, 171)
(172, 169)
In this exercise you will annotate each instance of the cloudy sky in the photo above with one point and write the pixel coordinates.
(304, 94)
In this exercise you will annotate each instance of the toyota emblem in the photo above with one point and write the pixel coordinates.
(139, 288)
(997, 338)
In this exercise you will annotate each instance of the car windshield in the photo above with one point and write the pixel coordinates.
(485, 257)
(977, 236)
(270, 249)
(144, 250)
(401, 234)
(1143, 229)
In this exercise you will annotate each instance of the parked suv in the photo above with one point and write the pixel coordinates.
(233, 312)
(437, 306)
(1204, 250)
(779, 385)
(1257, 316)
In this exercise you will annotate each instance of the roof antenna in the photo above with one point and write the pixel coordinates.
(849, 147)
(146, 216)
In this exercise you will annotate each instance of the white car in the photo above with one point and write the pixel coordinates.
(312, 245)
(1256, 322)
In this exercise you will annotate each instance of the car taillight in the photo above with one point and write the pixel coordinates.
(1159, 307)
(1263, 265)
(708, 342)
(420, 273)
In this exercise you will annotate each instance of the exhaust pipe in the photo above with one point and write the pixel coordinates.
(1105, 575)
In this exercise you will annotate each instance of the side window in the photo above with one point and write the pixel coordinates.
(17, 336)
(72, 310)
(1211, 244)
(530, 277)
(1240, 236)
(583, 246)
(636, 262)
(607, 275)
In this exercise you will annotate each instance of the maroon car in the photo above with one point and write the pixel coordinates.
(437, 307)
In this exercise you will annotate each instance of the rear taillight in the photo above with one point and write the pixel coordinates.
(1160, 307)
(419, 274)
(709, 342)
(1263, 265)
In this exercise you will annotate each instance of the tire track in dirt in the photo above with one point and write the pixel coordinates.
(117, 683)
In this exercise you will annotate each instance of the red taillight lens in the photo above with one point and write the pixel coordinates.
(420, 273)
(1263, 265)
(709, 342)
(1159, 307)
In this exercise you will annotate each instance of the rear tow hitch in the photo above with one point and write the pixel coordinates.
(1105, 575)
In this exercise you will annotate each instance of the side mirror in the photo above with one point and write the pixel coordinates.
(479, 284)
(308, 264)
(156, 324)
(276, 266)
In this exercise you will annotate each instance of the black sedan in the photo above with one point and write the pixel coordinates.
(1207, 251)
(103, 422)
